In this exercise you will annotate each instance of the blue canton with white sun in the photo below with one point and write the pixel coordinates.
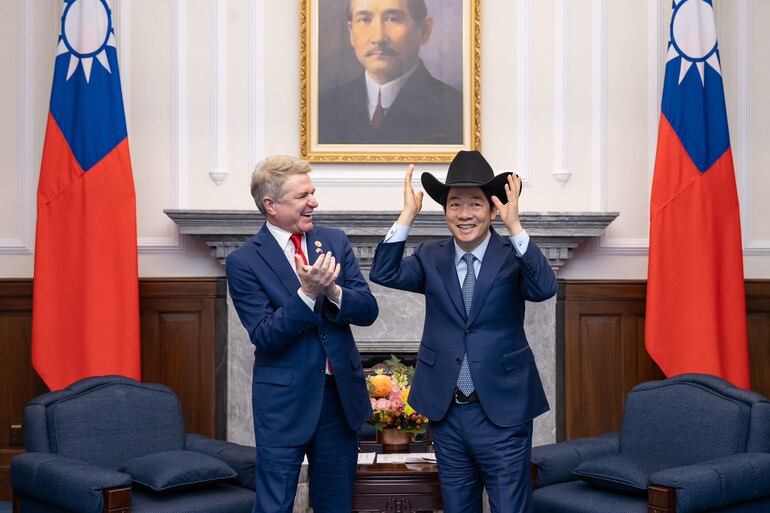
(86, 98)
(693, 93)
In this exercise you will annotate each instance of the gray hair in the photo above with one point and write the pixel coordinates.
(269, 177)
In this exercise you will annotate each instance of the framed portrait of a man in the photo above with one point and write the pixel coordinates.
(389, 80)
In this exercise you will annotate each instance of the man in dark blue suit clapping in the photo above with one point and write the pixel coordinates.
(476, 378)
(297, 288)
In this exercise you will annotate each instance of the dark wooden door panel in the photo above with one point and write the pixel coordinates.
(604, 355)
(758, 324)
(589, 374)
(184, 347)
(19, 382)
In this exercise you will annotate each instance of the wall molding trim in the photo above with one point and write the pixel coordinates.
(24, 243)
(218, 172)
(257, 80)
(524, 90)
(179, 102)
(561, 172)
(655, 65)
(599, 104)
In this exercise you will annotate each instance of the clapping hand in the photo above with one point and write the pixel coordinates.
(320, 277)
(412, 200)
(509, 212)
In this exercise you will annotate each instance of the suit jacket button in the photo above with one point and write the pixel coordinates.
(321, 370)
(467, 332)
(458, 361)
(323, 336)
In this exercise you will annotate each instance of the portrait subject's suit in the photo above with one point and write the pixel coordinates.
(291, 397)
(510, 393)
(426, 111)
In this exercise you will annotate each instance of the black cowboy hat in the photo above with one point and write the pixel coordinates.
(468, 169)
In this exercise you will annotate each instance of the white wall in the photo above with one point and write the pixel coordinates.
(567, 85)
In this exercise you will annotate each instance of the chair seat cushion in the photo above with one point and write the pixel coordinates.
(578, 497)
(172, 470)
(215, 498)
(620, 472)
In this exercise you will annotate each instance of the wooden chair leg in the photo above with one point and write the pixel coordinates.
(661, 499)
(117, 500)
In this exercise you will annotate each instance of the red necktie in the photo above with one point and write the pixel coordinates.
(296, 239)
(379, 114)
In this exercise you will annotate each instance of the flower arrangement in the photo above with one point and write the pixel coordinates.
(388, 387)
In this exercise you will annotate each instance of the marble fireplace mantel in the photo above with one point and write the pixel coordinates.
(399, 326)
(556, 233)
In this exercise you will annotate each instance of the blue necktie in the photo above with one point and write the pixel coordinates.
(464, 380)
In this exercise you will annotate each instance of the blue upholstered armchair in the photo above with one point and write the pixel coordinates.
(112, 444)
(691, 443)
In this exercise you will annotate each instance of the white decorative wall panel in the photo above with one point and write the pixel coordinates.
(15, 35)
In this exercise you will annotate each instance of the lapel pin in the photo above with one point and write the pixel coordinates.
(318, 244)
(318, 250)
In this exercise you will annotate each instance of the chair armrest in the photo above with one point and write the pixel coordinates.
(717, 483)
(554, 463)
(67, 483)
(241, 458)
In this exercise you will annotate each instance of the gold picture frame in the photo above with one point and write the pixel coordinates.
(329, 69)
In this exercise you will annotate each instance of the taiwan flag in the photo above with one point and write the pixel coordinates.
(696, 305)
(85, 317)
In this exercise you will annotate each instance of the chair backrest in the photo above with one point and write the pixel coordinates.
(105, 421)
(692, 418)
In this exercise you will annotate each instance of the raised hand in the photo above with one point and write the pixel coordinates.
(509, 212)
(319, 277)
(412, 200)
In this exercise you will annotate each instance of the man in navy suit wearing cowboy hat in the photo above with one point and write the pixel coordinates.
(297, 289)
(476, 378)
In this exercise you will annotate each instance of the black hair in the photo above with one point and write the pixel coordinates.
(445, 197)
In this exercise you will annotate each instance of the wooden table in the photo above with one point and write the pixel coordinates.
(397, 488)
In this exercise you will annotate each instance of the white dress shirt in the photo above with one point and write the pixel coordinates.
(283, 238)
(399, 233)
(389, 91)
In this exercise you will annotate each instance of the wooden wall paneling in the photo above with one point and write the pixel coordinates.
(184, 347)
(603, 353)
(758, 325)
(600, 347)
(20, 383)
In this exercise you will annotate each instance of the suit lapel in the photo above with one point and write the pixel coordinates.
(447, 270)
(497, 251)
(275, 258)
(312, 254)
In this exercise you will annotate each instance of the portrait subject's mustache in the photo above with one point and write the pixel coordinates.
(381, 49)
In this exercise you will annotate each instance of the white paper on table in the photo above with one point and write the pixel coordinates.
(415, 457)
(366, 458)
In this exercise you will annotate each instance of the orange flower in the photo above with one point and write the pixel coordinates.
(381, 384)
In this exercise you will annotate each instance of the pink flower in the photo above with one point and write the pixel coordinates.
(396, 405)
